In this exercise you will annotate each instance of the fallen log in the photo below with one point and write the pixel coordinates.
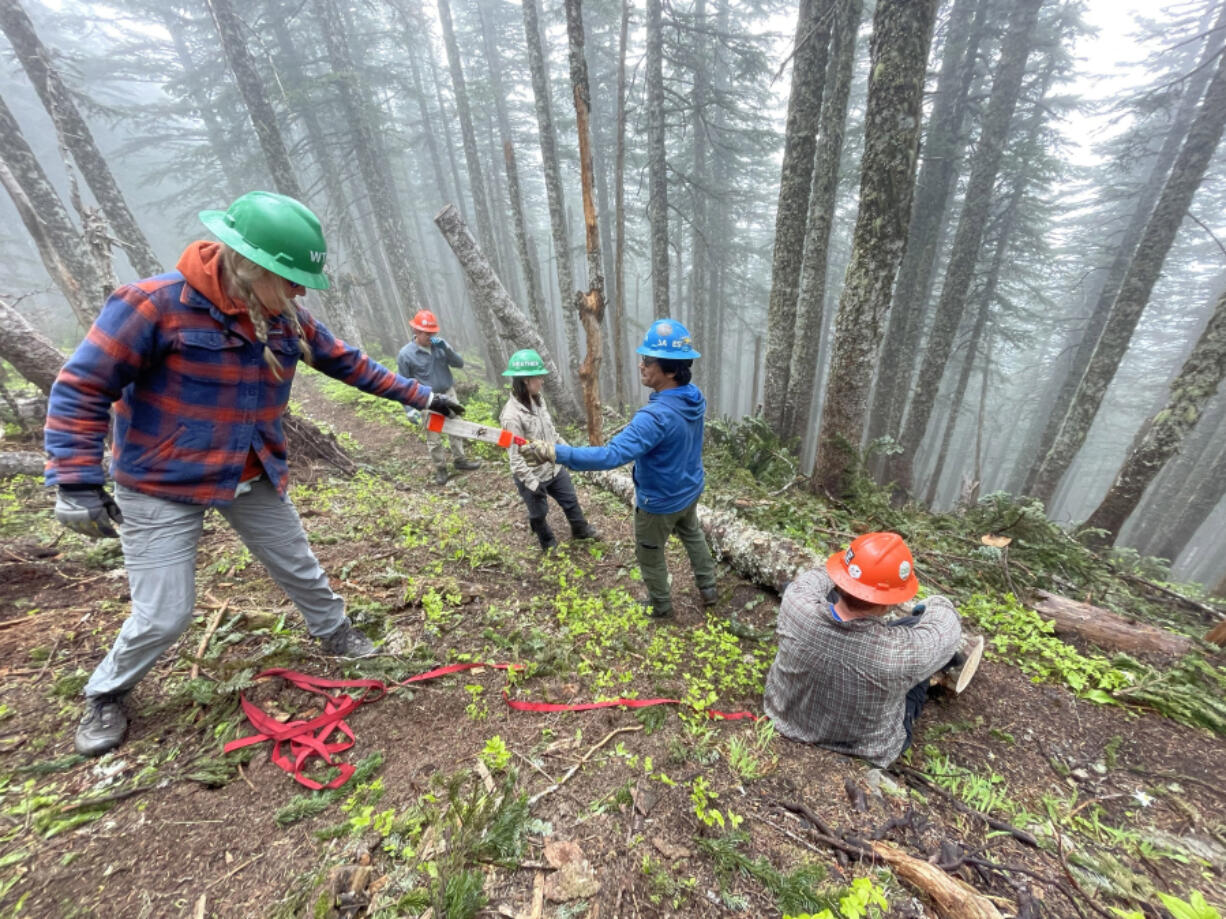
(21, 463)
(1106, 629)
(953, 898)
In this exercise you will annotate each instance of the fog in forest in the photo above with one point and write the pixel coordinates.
(1014, 280)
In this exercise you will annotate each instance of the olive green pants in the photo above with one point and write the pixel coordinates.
(651, 532)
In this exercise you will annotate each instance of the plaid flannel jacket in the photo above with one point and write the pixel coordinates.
(843, 685)
(192, 393)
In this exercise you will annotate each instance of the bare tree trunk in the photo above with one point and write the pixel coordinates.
(809, 309)
(942, 153)
(29, 351)
(1195, 385)
(1146, 265)
(902, 32)
(553, 182)
(800, 141)
(1201, 501)
(60, 246)
(619, 270)
(591, 303)
(657, 167)
(75, 134)
(698, 295)
(1006, 86)
(485, 286)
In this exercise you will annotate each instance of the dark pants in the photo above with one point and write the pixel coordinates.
(562, 490)
(917, 695)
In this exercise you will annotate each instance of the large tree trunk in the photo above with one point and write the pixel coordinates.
(1196, 384)
(619, 258)
(1198, 77)
(553, 183)
(902, 32)
(657, 167)
(802, 379)
(21, 463)
(532, 282)
(942, 152)
(1106, 629)
(1006, 86)
(74, 133)
(591, 303)
(29, 351)
(800, 140)
(1146, 265)
(61, 247)
(485, 287)
(699, 295)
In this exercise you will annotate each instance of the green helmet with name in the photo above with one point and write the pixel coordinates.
(525, 363)
(276, 232)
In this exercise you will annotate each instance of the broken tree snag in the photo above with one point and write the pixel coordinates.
(1105, 629)
(1217, 634)
(484, 285)
(764, 558)
(591, 304)
(953, 898)
(23, 463)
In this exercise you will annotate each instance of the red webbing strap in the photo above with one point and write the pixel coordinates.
(310, 738)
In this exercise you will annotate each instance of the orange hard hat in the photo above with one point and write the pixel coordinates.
(875, 568)
(424, 321)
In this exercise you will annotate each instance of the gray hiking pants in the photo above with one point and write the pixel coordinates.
(434, 443)
(159, 550)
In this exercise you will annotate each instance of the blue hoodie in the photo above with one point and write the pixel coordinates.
(664, 439)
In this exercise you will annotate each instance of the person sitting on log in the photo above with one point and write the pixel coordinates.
(527, 416)
(664, 440)
(846, 679)
(198, 363)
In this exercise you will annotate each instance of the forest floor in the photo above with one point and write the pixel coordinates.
(465, 806)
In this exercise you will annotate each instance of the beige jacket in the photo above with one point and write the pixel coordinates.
(530, 425)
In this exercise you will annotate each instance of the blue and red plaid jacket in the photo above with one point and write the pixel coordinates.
(192, 393)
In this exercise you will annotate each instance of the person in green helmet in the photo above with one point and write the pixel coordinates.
(198, 364)
(525, 414)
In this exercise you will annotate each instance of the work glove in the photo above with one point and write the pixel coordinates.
(444, 405)
(88, 510)
(536, 452)
(412, 414)
(439, 340)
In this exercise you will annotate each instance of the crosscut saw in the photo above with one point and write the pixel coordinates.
(458, 427)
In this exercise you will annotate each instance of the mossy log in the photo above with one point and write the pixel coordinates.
(20, 463)
(1107, 630)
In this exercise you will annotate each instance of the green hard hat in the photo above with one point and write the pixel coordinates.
(276, 232)
(525, 363)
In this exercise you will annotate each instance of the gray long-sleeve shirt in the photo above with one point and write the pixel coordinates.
(431, 365)
(843, 685)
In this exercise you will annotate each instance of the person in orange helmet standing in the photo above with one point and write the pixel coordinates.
(843, 677)
(430, 357)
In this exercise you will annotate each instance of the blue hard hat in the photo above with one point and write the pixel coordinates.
(669, 339)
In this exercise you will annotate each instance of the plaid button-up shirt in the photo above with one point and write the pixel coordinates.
(192, 393)
(843, 685)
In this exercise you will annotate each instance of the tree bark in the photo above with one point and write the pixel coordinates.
(799, 145)
(657, 166)
(942, 153)
(902, 31)
(977, 206)
(21, 463)
(619, 258)
(75, 134)
(1196, 384)
(1177, 193)
(553, 182)
(61, 247)
(802, 377)
(591, 303)
(29, 351)
(485, 286)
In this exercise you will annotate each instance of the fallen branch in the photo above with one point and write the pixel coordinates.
(575, 768)
(214, 621)
(953, 898)
(959, 805)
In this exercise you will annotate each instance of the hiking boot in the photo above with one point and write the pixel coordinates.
(544, 534)
(659, 610)
(467, 465)
(102, 727)
(583, 531)
(441, 475)
(710, 596)
(347, 642)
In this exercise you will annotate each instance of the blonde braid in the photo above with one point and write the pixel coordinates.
(241, 275)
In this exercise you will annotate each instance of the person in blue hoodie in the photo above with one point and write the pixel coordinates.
(664, 440)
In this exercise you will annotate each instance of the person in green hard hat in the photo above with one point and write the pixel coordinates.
(525, 414)
(198, 364)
